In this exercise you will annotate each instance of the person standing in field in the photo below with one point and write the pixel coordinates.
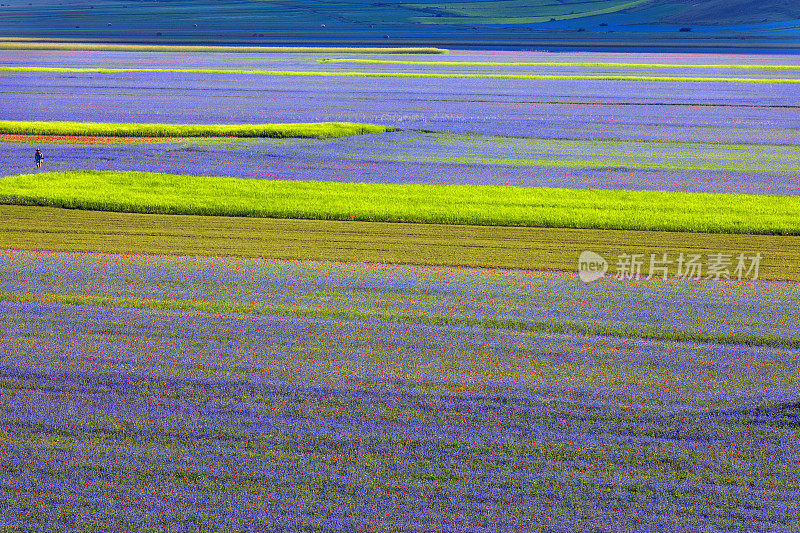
(38, 158)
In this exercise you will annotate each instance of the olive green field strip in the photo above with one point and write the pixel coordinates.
(571, 77)
(553, 249)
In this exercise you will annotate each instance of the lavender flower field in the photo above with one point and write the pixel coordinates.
(711, 136)
(192, 393)
(416, 157)
(566, 109)
(167, 419)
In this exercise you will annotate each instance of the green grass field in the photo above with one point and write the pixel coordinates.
(317, 131)
(411, 203)
(571, 77)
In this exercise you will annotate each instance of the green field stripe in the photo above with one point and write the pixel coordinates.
(581, 64)
(490, 205)
(575, 77)
(309, 130)
(556, 327)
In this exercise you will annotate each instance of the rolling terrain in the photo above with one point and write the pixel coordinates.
(629, 24)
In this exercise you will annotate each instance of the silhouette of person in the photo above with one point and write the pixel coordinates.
(38, 158)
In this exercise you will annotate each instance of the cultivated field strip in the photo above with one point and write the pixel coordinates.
(28, 45)
(90, 129)
(596, 61)
(722, 312)
(42, 228)
(137, 192)
(530, 65)
(113, 418)
(697, 111)
(574, 77)
(416, 157)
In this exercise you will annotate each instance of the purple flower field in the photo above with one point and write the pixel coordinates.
(155, 393)
(699, 306)
(657, 135)
(693, 111)
(414, 157)
(128, 419)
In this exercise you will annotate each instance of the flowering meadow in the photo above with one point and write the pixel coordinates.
(711, 111)
(708, 123)
(193, 392)
(162, 418)
(435, 158)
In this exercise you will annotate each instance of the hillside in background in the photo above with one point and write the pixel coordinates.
(487, 23)
(730, 12)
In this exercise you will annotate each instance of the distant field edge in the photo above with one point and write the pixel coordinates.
(475, 205)
(101, 129)
(516, 248)
(93, 47)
